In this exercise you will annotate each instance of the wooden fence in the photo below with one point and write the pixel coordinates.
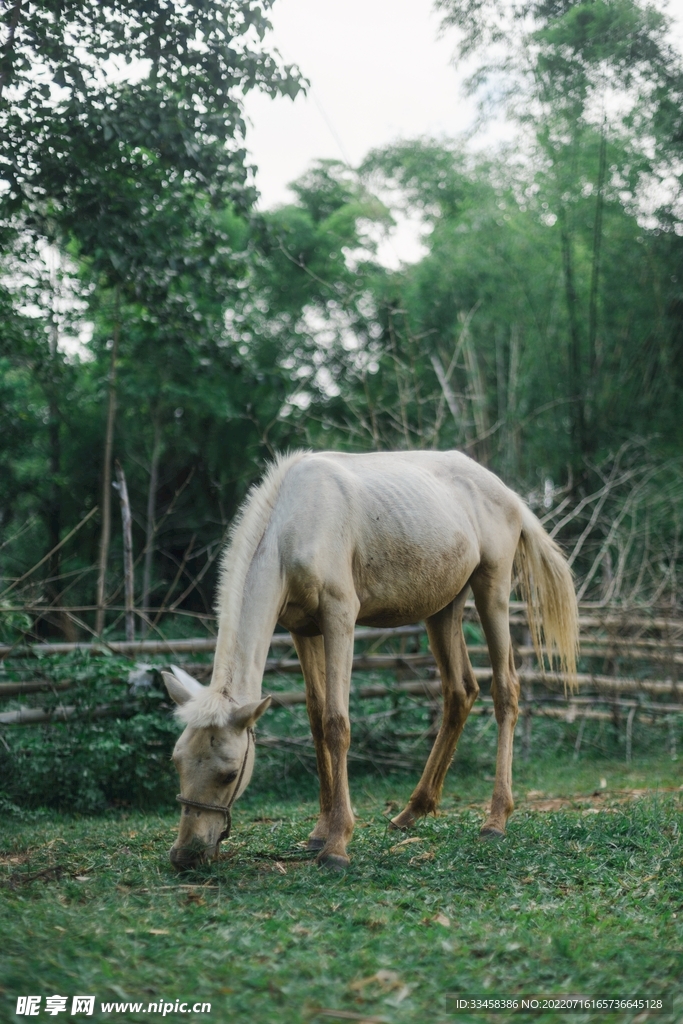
(630, 666)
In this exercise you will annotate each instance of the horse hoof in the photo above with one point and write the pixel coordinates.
(334, 862)
(315, 844)
(489, 832)
(403, 821)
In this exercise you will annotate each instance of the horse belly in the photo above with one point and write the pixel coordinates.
(398, 584)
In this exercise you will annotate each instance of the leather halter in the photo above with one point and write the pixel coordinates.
(223, 809)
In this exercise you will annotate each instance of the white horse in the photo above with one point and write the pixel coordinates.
(329, 540)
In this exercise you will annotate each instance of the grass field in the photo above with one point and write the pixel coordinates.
(583, 897)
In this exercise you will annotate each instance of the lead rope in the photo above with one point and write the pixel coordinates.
(223, 809)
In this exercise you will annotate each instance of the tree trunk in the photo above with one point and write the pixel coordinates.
(106, 474)
(576, 397)
(595, 269)
(128, 572)
(477, 393)
(151, 526)
(7, 51)
(511, 424)
(54, 500)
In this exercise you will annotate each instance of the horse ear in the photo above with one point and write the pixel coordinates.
(247, 715)
(181, 685)
(188, 681)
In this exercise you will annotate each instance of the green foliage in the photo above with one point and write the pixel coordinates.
(138, 186)
(68, 128)
(87, 767)
(91, 762)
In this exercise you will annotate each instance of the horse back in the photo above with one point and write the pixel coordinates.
(402, 531)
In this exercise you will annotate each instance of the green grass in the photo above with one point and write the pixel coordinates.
(570, 902)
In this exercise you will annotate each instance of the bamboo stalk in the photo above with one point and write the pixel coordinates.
(32, 686)
(150, 525)
(106, 474)
(425, 688)
(62, 713)
(635, 650)
(186, 646)
(127, 524)
(203, 644)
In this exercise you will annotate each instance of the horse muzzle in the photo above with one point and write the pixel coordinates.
(184, 858)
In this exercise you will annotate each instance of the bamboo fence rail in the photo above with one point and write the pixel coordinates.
(622, 641)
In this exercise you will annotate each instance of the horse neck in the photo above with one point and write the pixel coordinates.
(245, 630)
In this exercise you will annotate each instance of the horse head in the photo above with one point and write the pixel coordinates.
(214, 758)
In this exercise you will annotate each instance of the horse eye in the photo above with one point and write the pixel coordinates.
(230, 777)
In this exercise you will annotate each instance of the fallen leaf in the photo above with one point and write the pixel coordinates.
(299, 929)
(280, 868)
(82, 878)
(421, 857)
(158, 931)
(387, 981)
(404, 842)
(443, 920)
(361, 1018)
(400, 996)
(556, 804)
(194, 897)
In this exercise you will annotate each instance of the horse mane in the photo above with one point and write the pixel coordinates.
(247, 530)
(208, 709)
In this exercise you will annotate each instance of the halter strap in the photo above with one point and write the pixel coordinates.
(223, 809)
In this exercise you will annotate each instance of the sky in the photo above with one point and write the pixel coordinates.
(379, 70)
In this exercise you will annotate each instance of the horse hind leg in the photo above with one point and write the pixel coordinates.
(311, 651)
(460, 691)
(491, 596)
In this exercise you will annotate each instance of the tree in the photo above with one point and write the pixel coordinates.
(120, 173)
(595, 82)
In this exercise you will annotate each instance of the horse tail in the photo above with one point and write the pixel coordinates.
(547, 587)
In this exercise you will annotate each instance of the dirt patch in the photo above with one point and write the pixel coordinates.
(598, 800)
(589, 803)
(13, 859)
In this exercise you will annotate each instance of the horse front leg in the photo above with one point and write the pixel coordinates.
(311, 651)
(338, 622)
